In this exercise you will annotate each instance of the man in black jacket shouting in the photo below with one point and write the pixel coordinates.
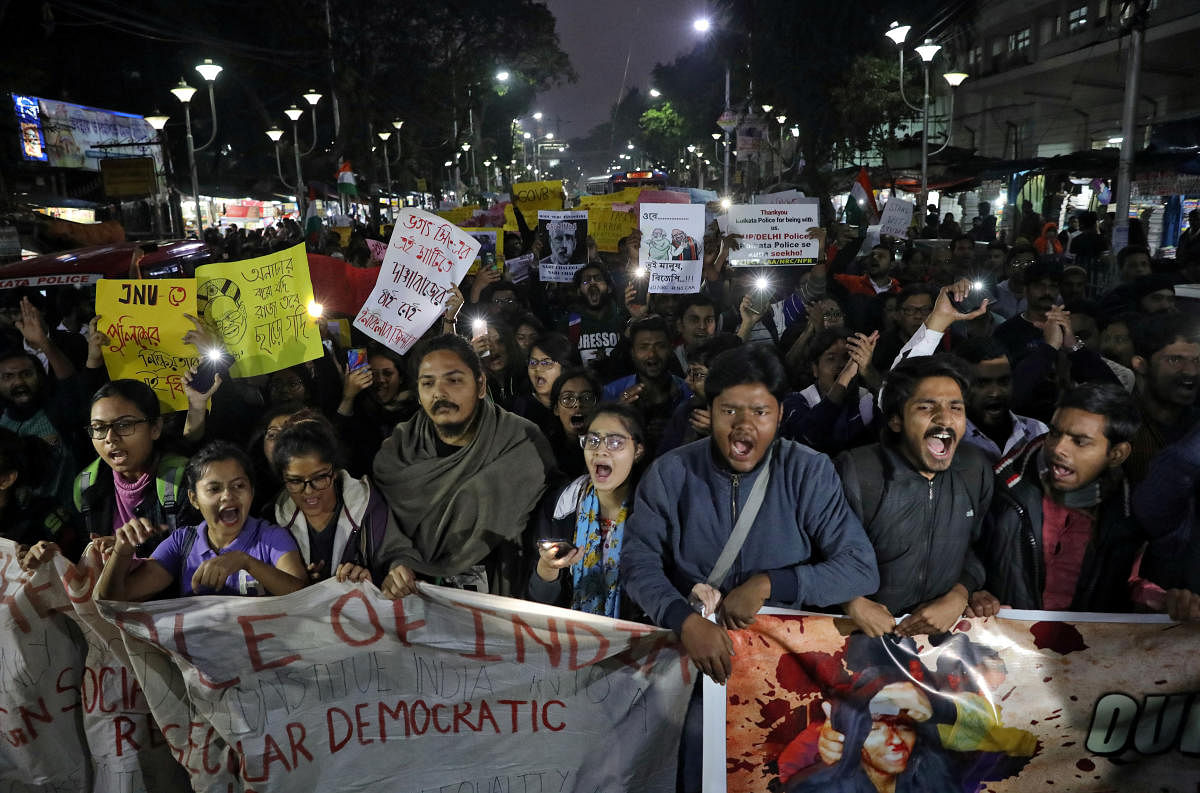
(921, 495)
(1060, 535)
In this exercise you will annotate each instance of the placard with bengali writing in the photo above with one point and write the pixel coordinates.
(426, 256)
(144, 323)
(259, 308)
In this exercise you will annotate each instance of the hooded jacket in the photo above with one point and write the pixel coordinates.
(365, 533)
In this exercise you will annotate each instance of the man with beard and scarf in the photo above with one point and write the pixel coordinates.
(33, 406)
(798, 546)
(595, 321)
(921, 497)
(374, 401)
(652, 390)
(1166, 365)
(1060, 534)
(461, 478)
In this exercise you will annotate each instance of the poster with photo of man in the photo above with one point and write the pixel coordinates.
(564, 244)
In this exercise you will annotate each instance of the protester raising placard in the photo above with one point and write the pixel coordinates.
(563, 236)
(145, 322)
(260, 310)
(774, 234)
(426, 257)
(672, 251)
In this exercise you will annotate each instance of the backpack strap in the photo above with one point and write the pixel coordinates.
(168, 484)
(85, 479)
(872, 483)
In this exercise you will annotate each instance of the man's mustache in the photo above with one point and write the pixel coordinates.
(444, 403)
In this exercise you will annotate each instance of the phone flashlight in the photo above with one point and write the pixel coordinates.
(315, 309)
(639, 272)
(479, 326)
(977, 285)
(214, 355)
(762, 284)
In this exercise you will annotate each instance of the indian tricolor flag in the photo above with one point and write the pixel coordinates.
(861, 208)
(345, 180)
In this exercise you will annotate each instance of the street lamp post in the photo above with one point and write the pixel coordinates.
(926, 51)
(184, 92)
(275, 133)
(716, 136)
(157, 122)
(782, 119)
(294, 113)
(387, 171)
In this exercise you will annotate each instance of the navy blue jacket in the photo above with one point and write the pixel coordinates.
(805, 537)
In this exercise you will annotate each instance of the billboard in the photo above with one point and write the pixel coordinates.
(66, 135)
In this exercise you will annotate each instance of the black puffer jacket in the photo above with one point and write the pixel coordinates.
(1011, 546)
(922, 529)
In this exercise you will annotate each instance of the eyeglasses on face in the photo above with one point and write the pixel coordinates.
(98, 430)
(319, 482)
(570, 400)
(915, 311)
(697, 373)
(613, 441)
(545, 363)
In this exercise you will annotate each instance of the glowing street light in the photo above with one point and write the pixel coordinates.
(654, 92)
(702, 25)
(502, 76)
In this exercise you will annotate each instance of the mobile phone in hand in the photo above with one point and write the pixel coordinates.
(356, 358)
(210, 366)
(561, 547)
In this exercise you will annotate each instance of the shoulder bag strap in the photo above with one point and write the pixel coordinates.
(737, 538)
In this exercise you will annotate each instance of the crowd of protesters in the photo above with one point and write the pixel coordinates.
(904, 433)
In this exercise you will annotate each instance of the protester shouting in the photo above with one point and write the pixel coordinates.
(228, 553)
(581, 531)
(133, 476)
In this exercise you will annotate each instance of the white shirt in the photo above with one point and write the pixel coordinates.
(1024, 429)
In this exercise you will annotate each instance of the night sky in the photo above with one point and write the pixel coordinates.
(599, 35)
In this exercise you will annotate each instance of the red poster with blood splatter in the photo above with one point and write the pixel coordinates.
(1030, 701)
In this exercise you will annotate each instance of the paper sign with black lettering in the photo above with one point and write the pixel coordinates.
(563, 236)
(537, 196)
(426, 257)
(144, 322)
(672, 252)
(1024, 701)
(774, 234)
(334, 688)
(260, 309)
(896, 218)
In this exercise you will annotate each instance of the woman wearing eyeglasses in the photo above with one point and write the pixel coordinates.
(573, 397)
(582, 528)
(341, 524)
(132, 477)
(227, 553)
(548, 356)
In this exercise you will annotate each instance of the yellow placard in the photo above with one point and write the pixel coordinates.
(459, 216)
(259, 308)
(491, 240)
(608, 227)
(627, 196)
(343, 233)
(534, 196)
(144, 322)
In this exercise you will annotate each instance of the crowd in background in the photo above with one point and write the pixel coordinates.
(903, 432)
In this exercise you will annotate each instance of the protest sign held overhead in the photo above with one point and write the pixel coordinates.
(608, 226)
(1027, 701)
(538, 196)
(145, 324)
(672, 252)
(520, 268)
(896, 218)
(774, 234)
(260, 310)
(426, 257)
(563, 236)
